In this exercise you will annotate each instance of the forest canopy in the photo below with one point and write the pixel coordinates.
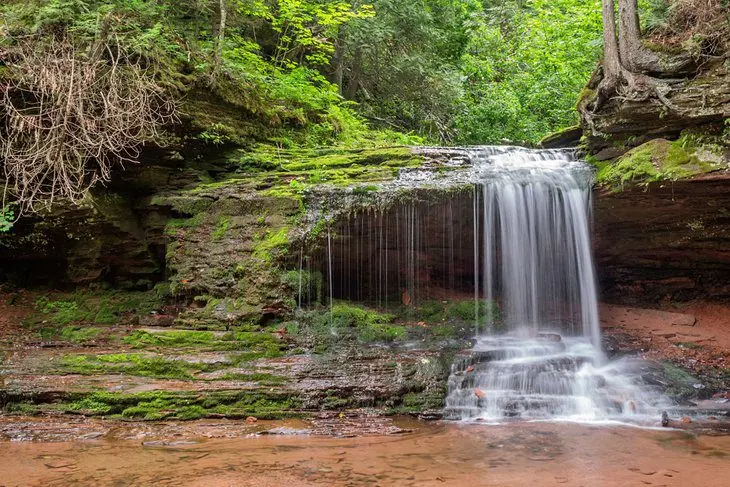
(450, 71)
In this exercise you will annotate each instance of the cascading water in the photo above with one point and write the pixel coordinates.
(509, 228)
(532, 209)
(536, 242)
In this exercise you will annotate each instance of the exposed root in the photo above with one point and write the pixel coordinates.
(70, 117)
(626, 86)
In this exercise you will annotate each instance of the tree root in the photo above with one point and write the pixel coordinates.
(626, 86)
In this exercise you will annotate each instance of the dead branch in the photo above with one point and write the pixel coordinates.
(69, 118)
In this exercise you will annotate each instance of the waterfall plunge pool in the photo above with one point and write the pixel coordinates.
(452, 454)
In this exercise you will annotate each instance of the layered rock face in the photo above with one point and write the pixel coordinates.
(662, 220)
(701, 102)
(667, 240)
(662, 240)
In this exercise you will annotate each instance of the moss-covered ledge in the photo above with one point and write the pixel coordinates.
(662, 160)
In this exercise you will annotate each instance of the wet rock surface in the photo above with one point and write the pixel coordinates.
(691, 364)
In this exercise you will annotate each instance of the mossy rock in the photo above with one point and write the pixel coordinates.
(656, 160)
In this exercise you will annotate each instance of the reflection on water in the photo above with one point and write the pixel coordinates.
(441, 454)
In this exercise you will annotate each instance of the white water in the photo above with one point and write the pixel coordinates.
(536, 240)
(533, 211)
(523, 238)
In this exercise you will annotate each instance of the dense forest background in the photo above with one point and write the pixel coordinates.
(446, 71)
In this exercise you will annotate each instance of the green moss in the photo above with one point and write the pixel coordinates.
(431, 312)
(174, 225)
(311, 285)
(690, 345)
(259, 344)
(417, 402)
(180, 339)
(350, 323)
(158, 405)
(469, 311)
(656, 160)
(681, 382)
(263, 379)
(61, 312)
(76, 334)
(87, 306)
(221, 227)
(586, 96)
(21, 408)
(272, 245)
(300, 169)
(130, 364)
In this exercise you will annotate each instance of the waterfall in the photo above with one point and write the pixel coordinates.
(535, 240)
(508, 228)
(546, 362)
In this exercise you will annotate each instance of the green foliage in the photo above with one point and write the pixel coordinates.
(653, 14)
(524, 68)
(7, 218)
(318, 72)
(216, 134)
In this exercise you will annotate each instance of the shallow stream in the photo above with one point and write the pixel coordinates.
(432, 454)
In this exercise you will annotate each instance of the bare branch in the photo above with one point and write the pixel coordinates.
(68, 119)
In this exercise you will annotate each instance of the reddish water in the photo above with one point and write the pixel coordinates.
(534, 454)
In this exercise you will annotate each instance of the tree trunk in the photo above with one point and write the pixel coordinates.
(354, 82)
(634, 56)
(339, 62)
(623, 60)
(220, 40)
(611, 55)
